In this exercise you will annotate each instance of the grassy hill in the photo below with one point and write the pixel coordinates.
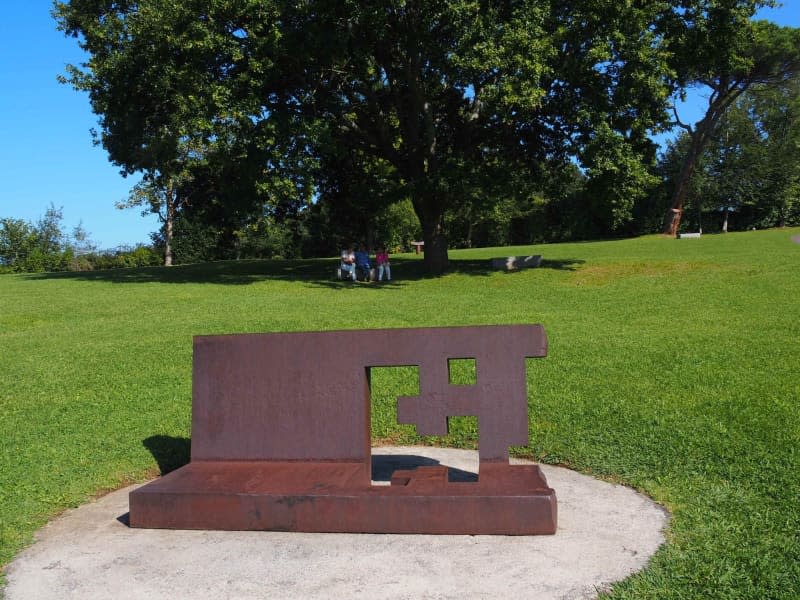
(674, 368)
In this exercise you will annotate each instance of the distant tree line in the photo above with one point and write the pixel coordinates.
(44, 246)
(282, 128)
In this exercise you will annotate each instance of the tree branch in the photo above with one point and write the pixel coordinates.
(681, 124)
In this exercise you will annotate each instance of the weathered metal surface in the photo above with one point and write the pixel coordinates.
(281, 436)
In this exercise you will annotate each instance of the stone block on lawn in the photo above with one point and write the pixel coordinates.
(512, 263)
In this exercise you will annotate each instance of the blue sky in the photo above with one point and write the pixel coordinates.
(46, 154)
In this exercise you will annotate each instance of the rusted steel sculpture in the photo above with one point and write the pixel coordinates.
(281, 436)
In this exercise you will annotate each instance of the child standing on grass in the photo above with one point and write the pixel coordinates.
(382, 258)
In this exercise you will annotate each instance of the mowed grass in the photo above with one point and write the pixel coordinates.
(674, 368)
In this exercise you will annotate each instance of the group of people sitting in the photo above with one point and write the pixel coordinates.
(355, 264)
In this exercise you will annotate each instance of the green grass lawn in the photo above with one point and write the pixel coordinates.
(674, 368)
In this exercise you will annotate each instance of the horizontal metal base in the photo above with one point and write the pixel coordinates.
(328, 497)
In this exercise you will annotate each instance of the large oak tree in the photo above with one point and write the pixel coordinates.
(442, 97)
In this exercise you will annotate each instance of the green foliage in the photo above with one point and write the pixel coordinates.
(617, 178)
(17, 239)
(34, 248)
(140, 256)
(195, 241)
(44, 247)
(711, 40)
(268, 239)
(558, 206)
(397, 226)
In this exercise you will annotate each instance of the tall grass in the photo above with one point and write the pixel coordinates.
(673, 368)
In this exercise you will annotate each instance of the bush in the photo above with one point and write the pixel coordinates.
(397, 226)
(121, 258)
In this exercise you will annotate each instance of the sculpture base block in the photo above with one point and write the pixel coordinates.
(330, 497)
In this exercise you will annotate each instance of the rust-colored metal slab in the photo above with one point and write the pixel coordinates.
(281, 438)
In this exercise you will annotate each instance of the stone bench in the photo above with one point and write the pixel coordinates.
(512, 263)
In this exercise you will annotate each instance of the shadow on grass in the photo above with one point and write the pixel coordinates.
(313, 272)
(170, 452)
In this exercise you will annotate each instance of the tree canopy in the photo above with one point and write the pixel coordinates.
(298, 101)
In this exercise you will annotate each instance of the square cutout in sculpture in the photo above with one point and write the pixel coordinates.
(462, 371)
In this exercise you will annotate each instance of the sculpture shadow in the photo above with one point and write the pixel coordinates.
(383, 465)
(169, 452)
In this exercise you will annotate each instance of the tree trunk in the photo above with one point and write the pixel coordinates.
(436, 259)
(725, 220)
(168, 223)
(672, 218)
(168, 242)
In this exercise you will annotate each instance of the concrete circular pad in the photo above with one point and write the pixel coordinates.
(605, 533)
